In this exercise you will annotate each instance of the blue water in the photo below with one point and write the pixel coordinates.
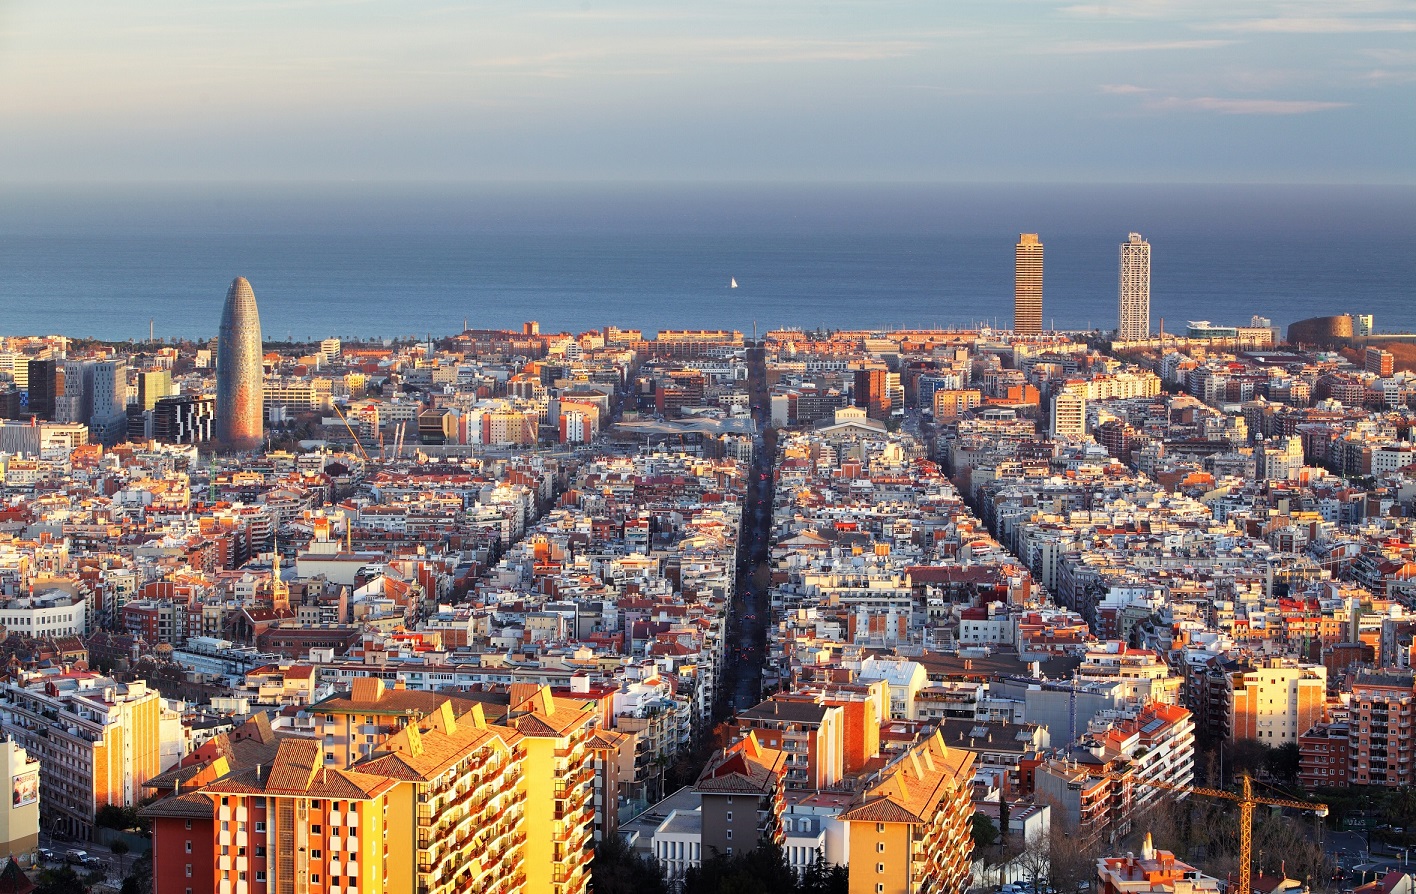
(383, 261)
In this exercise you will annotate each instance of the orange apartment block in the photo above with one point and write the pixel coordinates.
(909, 832)
(298, 825)
(864, 706)
(1381, 746)
(446, 801)
(809, 733)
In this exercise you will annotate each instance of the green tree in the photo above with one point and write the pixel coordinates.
(1284, 762)
(983, 832)
(63, 880)
(120, 850)
(139, 880)
(615, 869)
(762, 870)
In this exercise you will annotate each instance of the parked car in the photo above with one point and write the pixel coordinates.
(76, 856)
(46, 854)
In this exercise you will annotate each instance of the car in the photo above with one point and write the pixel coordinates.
(45, 854)
(76, 856)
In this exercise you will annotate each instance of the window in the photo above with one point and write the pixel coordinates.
(880, 847)
(189, 825)
(730, 816)
(315, 855)
(879, 867)
(880, 828)
(189, 870)
(315, 830)
(260, 850)
(314, 878)
(260, 875)
(189, 846)
(260, 825)
(730, 834)
(879, 889)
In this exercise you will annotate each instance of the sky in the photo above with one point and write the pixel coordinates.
(1156, 91)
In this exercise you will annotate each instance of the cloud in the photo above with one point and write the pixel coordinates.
(1135, 46)
(1318, 25)
(1124, 89)
(1245, 106)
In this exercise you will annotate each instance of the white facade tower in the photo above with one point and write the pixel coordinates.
(1135, 302)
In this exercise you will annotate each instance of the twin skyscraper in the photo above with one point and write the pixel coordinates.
(1133, 303)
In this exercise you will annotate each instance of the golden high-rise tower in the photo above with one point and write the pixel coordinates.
(1027, 285)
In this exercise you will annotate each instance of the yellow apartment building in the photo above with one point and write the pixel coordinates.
(909, 832)
(456, 815)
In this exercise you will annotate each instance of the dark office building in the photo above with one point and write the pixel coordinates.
(46, 383)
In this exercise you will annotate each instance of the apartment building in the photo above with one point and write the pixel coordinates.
(299, 825)
(1323, 755)
(1278, 702)
(1381, 745)
(558, 774)
(811, 735)
(19, 820)
(909, 831)
(456, 813)
(742, 797)
(98, 741)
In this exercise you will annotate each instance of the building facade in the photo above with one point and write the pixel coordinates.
(1135, 289)
(239, 376)
(909, 832)
(1027, 285)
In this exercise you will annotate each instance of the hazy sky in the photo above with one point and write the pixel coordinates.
(1149, 90)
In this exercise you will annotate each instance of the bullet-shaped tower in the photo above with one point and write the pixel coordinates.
(239, 425)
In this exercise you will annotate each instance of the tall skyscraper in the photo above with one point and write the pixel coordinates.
(1027, 285)
(1134, 319)
(239, 425)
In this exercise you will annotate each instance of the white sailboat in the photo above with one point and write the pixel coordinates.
(732, 282)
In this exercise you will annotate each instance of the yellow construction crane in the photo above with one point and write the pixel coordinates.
(1246, 799)
(352, 434)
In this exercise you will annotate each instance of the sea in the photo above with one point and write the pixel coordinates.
(360, 260)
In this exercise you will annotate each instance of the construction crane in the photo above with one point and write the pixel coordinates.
(357, 443)
(1246, 799)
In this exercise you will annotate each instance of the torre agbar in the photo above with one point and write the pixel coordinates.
(238, 370)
